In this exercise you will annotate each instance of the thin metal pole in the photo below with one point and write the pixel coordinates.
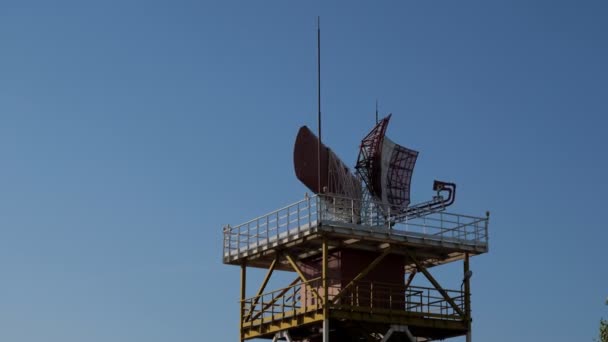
(325, 257)
(325, 279)
(467, 295)
(319, 103)
(243, 287)
(376, 111)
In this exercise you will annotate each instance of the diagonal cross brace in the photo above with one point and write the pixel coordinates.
(279, 296)
(363, 273)
(410, 279)
(262, 287)
(436, 285)
(301, 275)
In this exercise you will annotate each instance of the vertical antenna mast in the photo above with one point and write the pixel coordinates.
(376, 111)
(319, 103)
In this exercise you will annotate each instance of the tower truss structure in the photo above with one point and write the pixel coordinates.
(353, 267)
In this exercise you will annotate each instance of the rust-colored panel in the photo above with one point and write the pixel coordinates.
(305, 160)
(387, 277)
(382, 287)
(312, 268)
(389, 270)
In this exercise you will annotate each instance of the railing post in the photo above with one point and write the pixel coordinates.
(371, 296)
(389, 219)
(352, 211)
(238, 241)
(248, 237)
(467, 295)
(283, 308)
(424, 224)
(309, 212)
(226, 241)
(272, 306)
(298, 208)
(486, 227)
(261, 310)
(320, 210)
(441, 225)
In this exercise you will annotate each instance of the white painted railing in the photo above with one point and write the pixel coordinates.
(325, 210)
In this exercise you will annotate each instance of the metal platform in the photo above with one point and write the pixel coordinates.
(437, 237)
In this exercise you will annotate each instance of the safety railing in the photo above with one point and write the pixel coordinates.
(425, 301)
(285, 222)
(368, 216)
(295, 299)
(433, 225)
(364, 296)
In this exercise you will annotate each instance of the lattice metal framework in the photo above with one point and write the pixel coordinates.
(399, 175)
(368, 162)
(386, 167)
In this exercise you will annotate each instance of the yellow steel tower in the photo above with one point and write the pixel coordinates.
(353, 268)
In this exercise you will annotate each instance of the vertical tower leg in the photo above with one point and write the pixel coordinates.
(467, 295)
(282, 335)
(325, 294)
(242, 310)
(399, 328)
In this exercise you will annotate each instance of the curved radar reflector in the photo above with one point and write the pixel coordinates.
(386, 167)
(336, 178)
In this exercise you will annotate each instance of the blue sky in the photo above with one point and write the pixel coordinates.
(131, 132)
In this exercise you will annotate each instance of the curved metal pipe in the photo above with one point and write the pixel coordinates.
(439, 202)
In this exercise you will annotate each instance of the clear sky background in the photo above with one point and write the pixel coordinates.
(131, 132)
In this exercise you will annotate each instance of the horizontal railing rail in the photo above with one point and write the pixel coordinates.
(437, 225)
(287, 221)
(312, 211)
(375, 296)
(363, 296)
(282, 303)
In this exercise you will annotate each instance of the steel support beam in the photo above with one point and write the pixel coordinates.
(436, 285)
(399, 328)
(467, 295)
(410, 279)
(281, 335)
(363, 273)
(262, 286)
(409, 335)
(242, 310)
(279, 296)
(301, 275)
(388, 334)
(325, 292)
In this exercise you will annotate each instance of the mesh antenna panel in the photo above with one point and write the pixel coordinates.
(386, 167)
